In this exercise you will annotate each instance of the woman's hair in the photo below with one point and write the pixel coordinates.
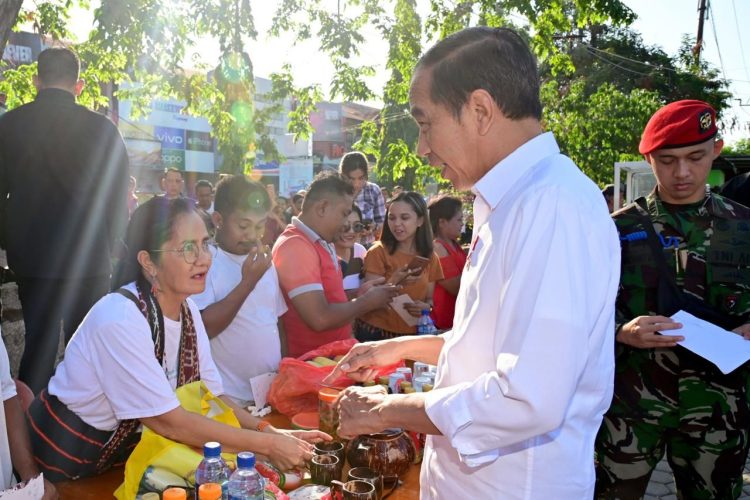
(423, 237)
(151, 225)
(443, 207)
(356, 209)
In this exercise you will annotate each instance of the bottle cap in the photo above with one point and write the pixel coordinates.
(245, 460)
(209, 491)
(174, 494)
(211, 449)
(425, 311)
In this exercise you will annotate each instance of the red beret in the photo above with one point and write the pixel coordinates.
(679, 124)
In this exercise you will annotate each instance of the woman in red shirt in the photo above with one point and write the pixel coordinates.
(446, 218)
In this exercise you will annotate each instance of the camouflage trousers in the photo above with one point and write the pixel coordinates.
(699, 418)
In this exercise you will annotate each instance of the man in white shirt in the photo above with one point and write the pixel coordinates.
(242, 302)
(15, 447)
(526, 373)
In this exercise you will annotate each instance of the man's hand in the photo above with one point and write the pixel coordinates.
(642, 332)
(743, 330)
(363, 359)
(366, 285)
(256, 264)
(378, 296)
(357, 410)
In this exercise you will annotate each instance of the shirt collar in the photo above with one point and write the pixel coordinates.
(312, 235)
(55, 94)
(505, 174)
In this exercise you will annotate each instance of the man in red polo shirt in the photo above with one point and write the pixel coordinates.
(309, 273)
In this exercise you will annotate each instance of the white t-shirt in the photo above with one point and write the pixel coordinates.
(352, 281)
(110, 373)
(250, 345)
(8, 389)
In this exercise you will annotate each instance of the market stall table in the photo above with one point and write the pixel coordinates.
(103, 486)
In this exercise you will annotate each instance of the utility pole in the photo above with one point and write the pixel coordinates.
(699, 39)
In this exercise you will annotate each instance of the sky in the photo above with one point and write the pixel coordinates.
(660, 22)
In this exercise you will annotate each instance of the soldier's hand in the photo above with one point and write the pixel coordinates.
(643, 332)
(743, 330)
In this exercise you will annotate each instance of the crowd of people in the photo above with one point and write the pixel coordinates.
(560, 373)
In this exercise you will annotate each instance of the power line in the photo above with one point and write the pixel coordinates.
(716, 39)
(739, 37)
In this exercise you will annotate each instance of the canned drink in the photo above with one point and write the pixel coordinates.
(420, 369)
(427, 387)
(383, 380)
(409, 390)
(419, 382)
(394, 382)
(368, 383)
(406, 371)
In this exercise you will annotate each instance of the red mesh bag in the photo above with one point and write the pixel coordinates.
(295, 389)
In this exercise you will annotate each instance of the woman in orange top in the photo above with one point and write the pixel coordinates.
(447, 221)
(406, 239)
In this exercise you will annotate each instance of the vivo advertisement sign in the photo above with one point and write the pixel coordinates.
(165, 137)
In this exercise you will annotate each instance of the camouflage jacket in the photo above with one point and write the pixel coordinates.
(706, 243)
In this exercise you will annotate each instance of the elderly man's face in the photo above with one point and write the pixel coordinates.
(445, 141)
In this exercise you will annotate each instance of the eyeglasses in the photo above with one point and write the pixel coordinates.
(357, 227)
(190, 250)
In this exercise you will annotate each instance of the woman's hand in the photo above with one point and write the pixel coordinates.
(309, 436)
(289, 452)
(404, 276)
(415, 308)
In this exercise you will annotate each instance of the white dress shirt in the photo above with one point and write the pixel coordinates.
(526, 373)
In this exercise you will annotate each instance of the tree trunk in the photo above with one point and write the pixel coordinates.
(8, 14)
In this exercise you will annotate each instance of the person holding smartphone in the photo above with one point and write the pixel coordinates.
(403, 256)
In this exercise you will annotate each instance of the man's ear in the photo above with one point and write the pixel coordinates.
(79, 87)
(718, 146)
(482, 110)
(37, 82)
(217, 219)
(321, 207)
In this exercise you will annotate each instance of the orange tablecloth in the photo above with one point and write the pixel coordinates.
(102, 487)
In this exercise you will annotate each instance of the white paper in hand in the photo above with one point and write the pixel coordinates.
(727, 350)
(32, 490)
(260, 386)
(398, 304)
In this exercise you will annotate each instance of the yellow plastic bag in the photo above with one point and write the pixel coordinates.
(157, 462)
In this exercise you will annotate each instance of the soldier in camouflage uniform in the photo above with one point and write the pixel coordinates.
(683, 247)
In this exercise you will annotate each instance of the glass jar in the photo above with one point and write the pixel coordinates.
(327, 411)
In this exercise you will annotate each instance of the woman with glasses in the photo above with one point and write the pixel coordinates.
(350, 253)
(133, 349)
(403, 256)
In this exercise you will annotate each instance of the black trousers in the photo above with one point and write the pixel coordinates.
(47, 302)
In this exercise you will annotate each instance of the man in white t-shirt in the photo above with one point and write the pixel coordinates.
(242, 302)
(15, 447)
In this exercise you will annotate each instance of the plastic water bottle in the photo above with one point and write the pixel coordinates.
(213, 468)
(246, 483)
(425, 325)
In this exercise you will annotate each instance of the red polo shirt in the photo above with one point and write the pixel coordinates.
(304, 264)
